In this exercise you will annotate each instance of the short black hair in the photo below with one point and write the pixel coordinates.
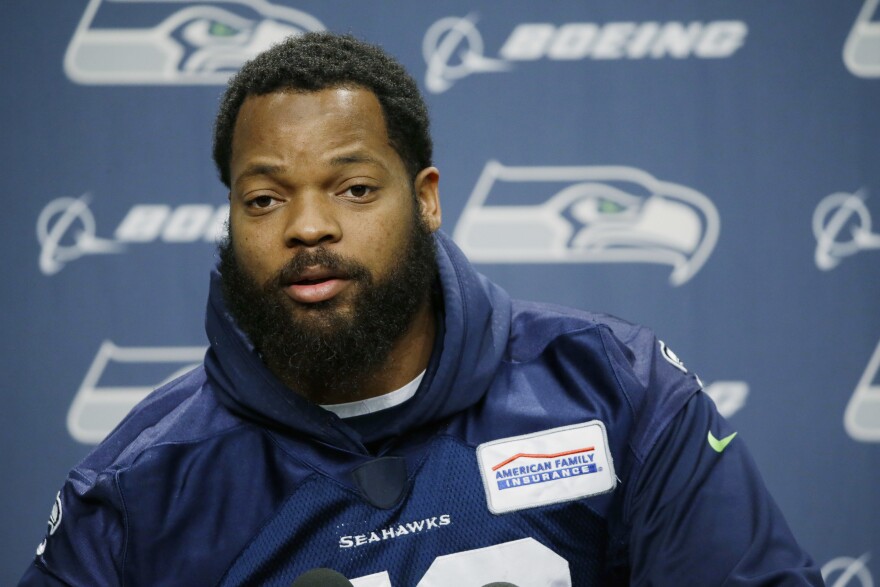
(317, 61)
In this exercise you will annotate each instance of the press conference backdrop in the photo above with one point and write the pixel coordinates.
(708, 168)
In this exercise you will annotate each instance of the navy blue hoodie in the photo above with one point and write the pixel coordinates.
(544, 446)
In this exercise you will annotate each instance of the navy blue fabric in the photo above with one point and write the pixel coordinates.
(225, 477)
(382, 481)
(444, 512)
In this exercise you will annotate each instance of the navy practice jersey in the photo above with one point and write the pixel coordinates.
(544, 446)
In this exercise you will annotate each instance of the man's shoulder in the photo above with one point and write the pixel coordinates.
(535, 325)
(611, 359)
(182, 412)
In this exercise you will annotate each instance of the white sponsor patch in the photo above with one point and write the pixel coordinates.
(552, 466)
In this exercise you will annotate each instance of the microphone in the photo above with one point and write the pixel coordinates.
(499, 584)
(321, 578)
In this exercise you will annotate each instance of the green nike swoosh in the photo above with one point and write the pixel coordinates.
(719, 445)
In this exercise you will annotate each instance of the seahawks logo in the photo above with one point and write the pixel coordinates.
(55, 516)
(176, 42)
(586, 214)
(54, 522)
(671, 357)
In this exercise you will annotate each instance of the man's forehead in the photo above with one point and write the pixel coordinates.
(336, 100)
(351, 111)
(338, 125)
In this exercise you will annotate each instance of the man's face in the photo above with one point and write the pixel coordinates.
(326, 242)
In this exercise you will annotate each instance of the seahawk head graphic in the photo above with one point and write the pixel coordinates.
(176, 41)
(601, 214)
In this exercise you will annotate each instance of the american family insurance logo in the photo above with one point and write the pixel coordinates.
(551, 466)
(601, 214)
(453, 47)
(513, 472)
(66, 229)
(176, 42)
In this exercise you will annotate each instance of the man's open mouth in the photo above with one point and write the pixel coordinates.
(316, 284)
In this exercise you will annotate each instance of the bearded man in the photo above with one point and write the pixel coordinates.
(371, 406)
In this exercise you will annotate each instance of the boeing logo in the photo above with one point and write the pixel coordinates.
(176, 41)
(55, 221)
(845, 571)
(453, 37)
(66, 229)
(842, 227)
(602, 214)
(453, 47)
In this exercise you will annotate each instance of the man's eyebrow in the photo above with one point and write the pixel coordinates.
(353, 158)
(268, 169)
(259, 169)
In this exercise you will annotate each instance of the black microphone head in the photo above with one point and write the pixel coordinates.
(499, 584)
(321, 578)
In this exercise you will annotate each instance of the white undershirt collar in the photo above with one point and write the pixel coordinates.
(376, 404)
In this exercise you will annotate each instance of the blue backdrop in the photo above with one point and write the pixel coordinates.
(710, 169)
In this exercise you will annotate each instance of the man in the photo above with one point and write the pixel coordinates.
(370, 404)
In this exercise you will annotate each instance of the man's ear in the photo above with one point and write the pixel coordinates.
(427, 191)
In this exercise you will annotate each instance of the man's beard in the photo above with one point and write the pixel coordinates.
(321, 350)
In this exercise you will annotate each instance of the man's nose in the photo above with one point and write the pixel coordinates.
(312, 220)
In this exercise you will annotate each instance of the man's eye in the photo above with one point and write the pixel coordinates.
(358, 191)
(261, 202)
